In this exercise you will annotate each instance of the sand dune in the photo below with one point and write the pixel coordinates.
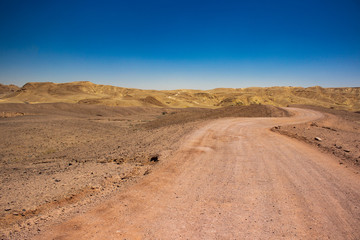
(90, 93)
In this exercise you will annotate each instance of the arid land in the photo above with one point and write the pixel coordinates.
(90, 93)
(66, 151)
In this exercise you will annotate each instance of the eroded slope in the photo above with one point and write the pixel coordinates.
(89, 93)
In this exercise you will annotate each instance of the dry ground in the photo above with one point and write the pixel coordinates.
(89, 93)
(59, 159)
(231, 179)
(337, 133)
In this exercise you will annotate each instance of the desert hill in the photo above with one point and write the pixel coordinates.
(90, 93)
(6, 89)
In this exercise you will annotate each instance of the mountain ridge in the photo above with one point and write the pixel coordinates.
(84, 92)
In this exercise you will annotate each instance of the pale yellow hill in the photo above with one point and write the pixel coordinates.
(90, 93)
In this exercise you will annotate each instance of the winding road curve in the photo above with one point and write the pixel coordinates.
(232, 179)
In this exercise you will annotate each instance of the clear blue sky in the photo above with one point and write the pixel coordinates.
(181, 44)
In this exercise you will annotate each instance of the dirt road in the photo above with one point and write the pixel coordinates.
(232, 179)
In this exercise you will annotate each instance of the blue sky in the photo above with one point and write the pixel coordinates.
(181, 44)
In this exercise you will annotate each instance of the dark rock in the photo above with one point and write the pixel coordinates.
(314, 124)
(338, 147)
(154, 158)
(330, 129)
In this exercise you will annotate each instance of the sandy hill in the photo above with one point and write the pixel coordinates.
(90, 93)
(6, 89)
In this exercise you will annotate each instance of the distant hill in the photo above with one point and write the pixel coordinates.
(6, 89)
(90, 93)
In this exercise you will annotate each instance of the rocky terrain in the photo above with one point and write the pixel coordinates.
(89, 93)
(67, 147)
(59, 158)
(7, 89)
(337, 133)
(231, 179)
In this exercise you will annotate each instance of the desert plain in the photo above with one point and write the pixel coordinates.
(87, 161)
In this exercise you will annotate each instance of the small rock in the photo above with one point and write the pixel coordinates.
(154, 158)
(318, 139)
(314, 124)
(57, 180)
(345, 150)
(95, 187)
(7, 209)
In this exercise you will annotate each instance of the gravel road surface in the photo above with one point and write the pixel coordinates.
(232, 179)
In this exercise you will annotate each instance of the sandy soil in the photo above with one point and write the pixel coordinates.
(232, 179)
(58, 160)
(337, 133)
